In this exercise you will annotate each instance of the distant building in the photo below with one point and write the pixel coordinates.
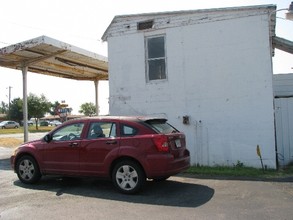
(3, 117)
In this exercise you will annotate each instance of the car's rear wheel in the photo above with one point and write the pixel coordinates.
(28, 170)
(128, 177)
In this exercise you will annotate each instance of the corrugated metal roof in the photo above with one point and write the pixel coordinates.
(127, 24)
(48, 56)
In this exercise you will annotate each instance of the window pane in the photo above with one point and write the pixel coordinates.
(101, 130)
(113, 131)
(157, 69)
(70, 132)
(128, 131)
(156, 47)
(162, 126)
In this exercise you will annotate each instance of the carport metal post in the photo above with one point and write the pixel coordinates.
(24, 70)
(97, 96)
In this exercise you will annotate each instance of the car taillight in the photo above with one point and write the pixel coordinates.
(161, 142)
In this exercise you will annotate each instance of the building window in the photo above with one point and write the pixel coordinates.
(156, 58)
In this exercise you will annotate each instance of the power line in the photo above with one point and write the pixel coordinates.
(54, 30)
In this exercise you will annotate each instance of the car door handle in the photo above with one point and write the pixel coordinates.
(111, 142)
(74, 144)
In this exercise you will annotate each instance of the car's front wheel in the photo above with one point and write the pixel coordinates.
(128, 177)
(27, 169)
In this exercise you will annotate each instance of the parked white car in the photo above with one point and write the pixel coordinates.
(9, 124)
(55, 123)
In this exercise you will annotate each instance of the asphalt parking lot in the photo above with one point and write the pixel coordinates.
(180, 197)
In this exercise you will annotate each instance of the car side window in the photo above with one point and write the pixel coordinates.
(127, 130)
(101, 130)
(67, 133)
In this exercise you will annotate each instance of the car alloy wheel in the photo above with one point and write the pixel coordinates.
(128, 177)
(27, 170)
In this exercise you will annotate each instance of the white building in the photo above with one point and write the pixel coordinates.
(209, 72)
(283, 93)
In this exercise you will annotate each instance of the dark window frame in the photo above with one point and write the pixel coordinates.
(156, 66)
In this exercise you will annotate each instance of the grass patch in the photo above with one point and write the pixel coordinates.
(239, 172)
(41, 129)
(31, 129)
(10, 142)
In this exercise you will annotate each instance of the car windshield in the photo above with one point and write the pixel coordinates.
(161, 126)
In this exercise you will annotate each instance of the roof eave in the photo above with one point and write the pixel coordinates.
(133, 16)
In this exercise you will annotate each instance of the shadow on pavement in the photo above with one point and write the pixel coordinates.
(5, 164)
(166, 193)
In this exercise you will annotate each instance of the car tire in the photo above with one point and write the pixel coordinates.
(128, 177)
(28, 170)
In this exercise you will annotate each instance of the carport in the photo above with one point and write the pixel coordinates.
(48, 56)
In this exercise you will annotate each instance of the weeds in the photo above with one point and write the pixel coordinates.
(239, 170)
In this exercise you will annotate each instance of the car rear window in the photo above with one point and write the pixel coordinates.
(127, 130)
(161, 126)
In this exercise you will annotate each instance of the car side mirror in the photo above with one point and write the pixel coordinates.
(48, 138)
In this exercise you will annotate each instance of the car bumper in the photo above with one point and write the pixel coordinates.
(12, 159)
(166, 165)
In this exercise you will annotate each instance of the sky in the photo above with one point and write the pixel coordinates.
(82, 23)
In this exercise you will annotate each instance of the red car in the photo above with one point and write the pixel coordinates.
(128, 150)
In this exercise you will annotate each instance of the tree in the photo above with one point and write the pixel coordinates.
(88, 109)
(3, 108)
(15, 112)
(38, 106)
(54, 108)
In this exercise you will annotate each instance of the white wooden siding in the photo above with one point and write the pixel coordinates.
(283, 85)
(219, 74)
(284, 130)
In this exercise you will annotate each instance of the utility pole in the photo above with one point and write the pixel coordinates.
(9, 96)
